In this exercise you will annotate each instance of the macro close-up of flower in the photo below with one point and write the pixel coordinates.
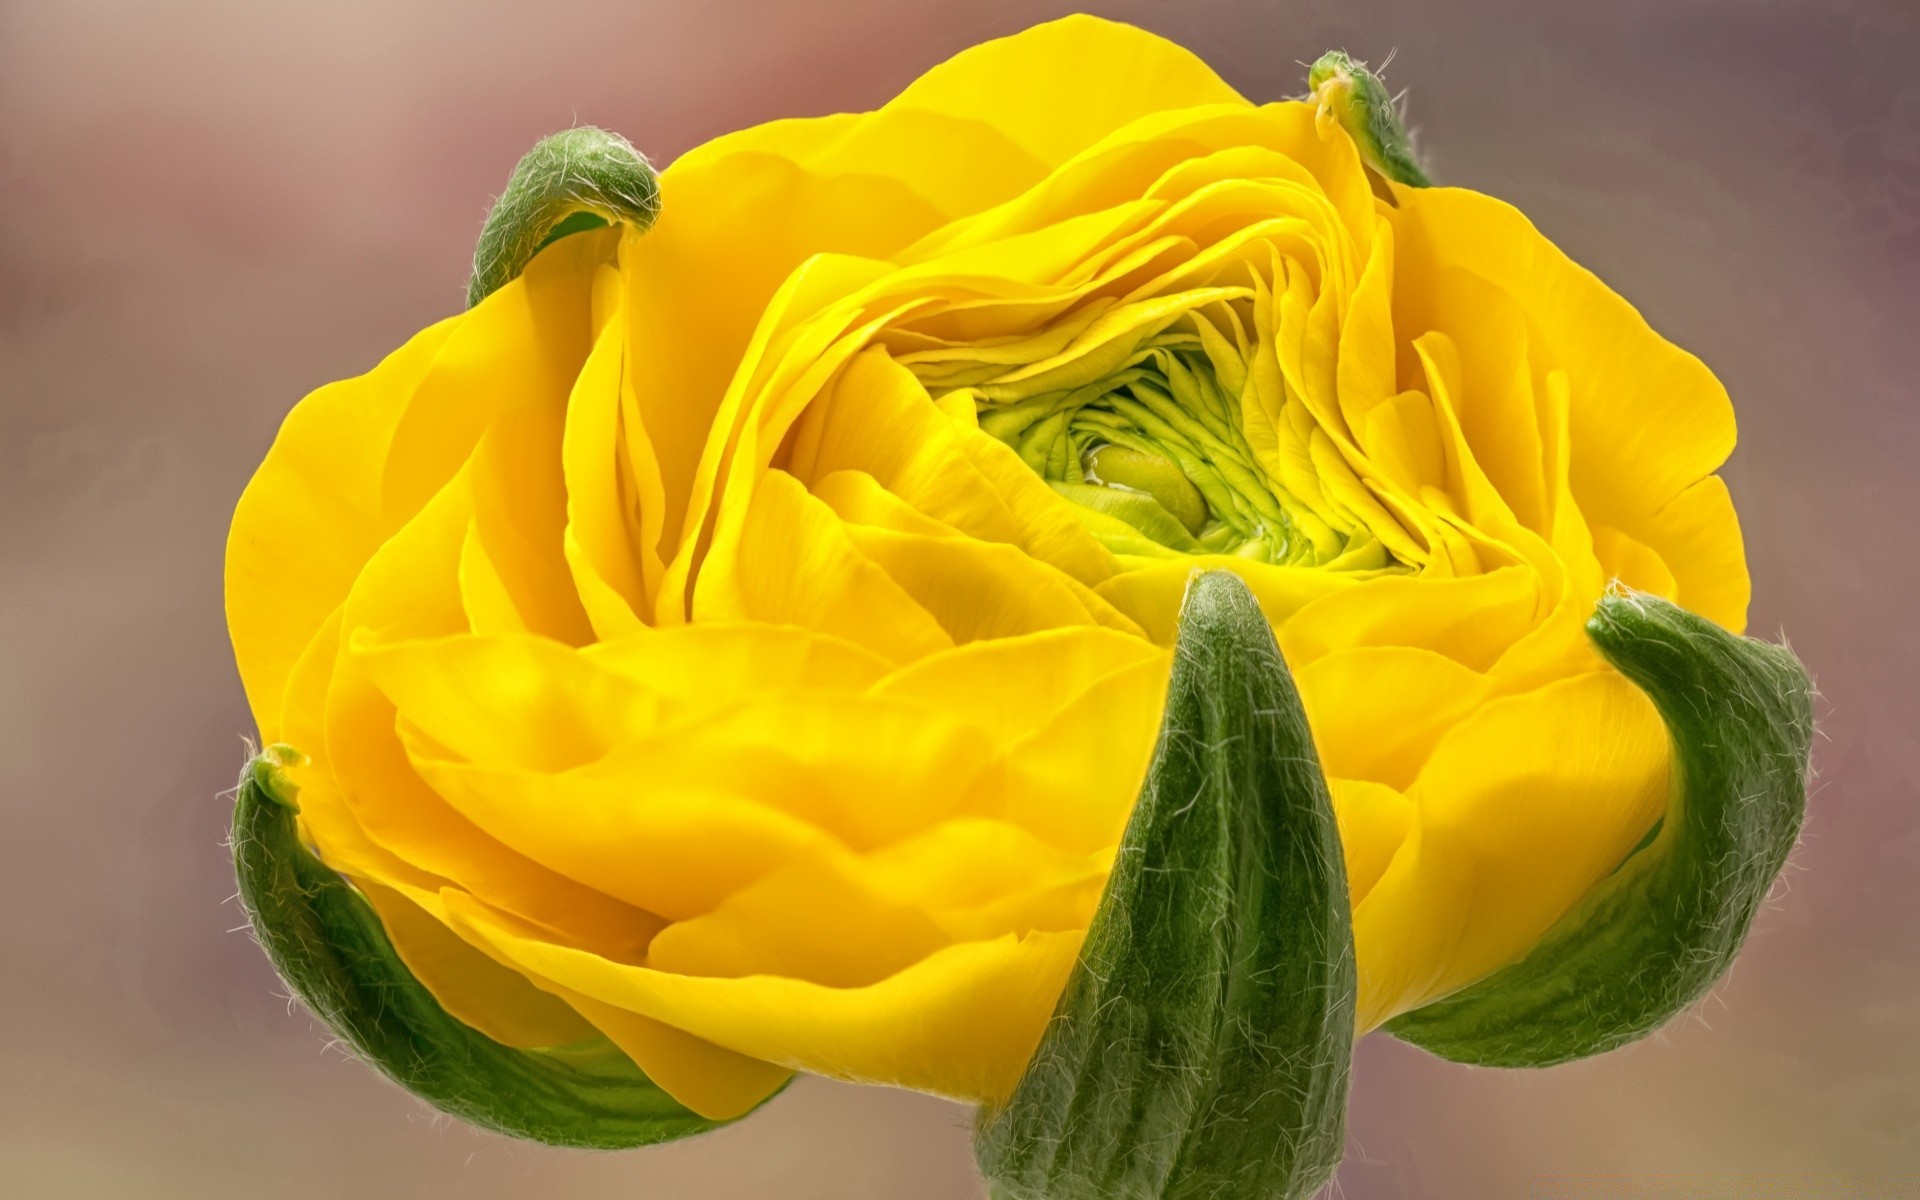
(745, 636)
(1076, 591)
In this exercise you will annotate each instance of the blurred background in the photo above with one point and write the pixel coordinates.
(208, 208)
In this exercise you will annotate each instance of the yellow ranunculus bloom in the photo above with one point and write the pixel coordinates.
(747, 637)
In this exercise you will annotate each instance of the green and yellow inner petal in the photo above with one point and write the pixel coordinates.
(1159, 431)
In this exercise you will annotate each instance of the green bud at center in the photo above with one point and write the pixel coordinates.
(1118, 466)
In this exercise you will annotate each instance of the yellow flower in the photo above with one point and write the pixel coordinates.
(747, 637)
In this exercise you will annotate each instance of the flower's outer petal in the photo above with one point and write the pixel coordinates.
(1150, 591)
(705, 666)
(354, 461)
(510, 700)
(1057, 88)
(716, 1083)
(1471, 619)
(1521, 808)
(1377, 711)
(958, 164)
(818, 920)
(1697, 535)
(310, 518)
(1074, 780)
(1012, 687)
(496, 1000)
(332, 950)
(1656, 934)
(1647, 420)
(676, 850)
(409, 590)
(960, 1023)
(1374, 821)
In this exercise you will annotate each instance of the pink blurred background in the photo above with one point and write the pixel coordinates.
(207, 208)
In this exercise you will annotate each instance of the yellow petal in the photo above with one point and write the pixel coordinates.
(1376, 711)
(409, 590)
(1151, 591)
(731, 229)
(718, 1084)
(797, 565)
(961, 1023)
(1647, 419)
(510, 700)
(1697, 536)
(310, 519)
(478, 991)
(678, 850)
(1012, 687)
(1057, 88)
(1374, 820)
(705, 666)
(1073, 782)
(1521, 808)
(1470, 619)
(355, 460)
(814, 921)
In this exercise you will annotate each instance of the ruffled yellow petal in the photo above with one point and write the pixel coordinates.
(1057, 88)
(797, 565)
(310, 518)
(496, 1000)
(1647, 420)
(1570, 775)
(1374, 820)
(1376, 711)
(960, 1023)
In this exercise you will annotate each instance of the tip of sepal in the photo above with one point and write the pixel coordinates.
(1347, 93)
(1203, 1043)
(268, 772)
(1656, 934)
(577, 179)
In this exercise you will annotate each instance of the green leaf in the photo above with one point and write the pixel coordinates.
(1202, 1045)
(575, 180)
(1655, 935)
(328, 944)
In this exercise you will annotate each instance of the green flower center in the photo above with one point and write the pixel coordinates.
(1156, 446)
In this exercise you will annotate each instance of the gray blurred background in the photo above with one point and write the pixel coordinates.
(207, 209)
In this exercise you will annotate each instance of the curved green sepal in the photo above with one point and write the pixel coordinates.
(1359, 101)
(1656, 934)
(575, 180)
(330, 947)
(1202, 1045)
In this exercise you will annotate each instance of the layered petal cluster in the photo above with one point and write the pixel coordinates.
(746, 638)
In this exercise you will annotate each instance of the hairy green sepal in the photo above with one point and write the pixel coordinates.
(1202, 1045)
(1360, 102)
(575, 180)
(328, 944)
(1654, 936)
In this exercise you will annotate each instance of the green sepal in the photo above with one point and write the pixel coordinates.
(578, 179)
(1360, 102)
(1203, 1042)
(1654, 936)
(329, 946)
